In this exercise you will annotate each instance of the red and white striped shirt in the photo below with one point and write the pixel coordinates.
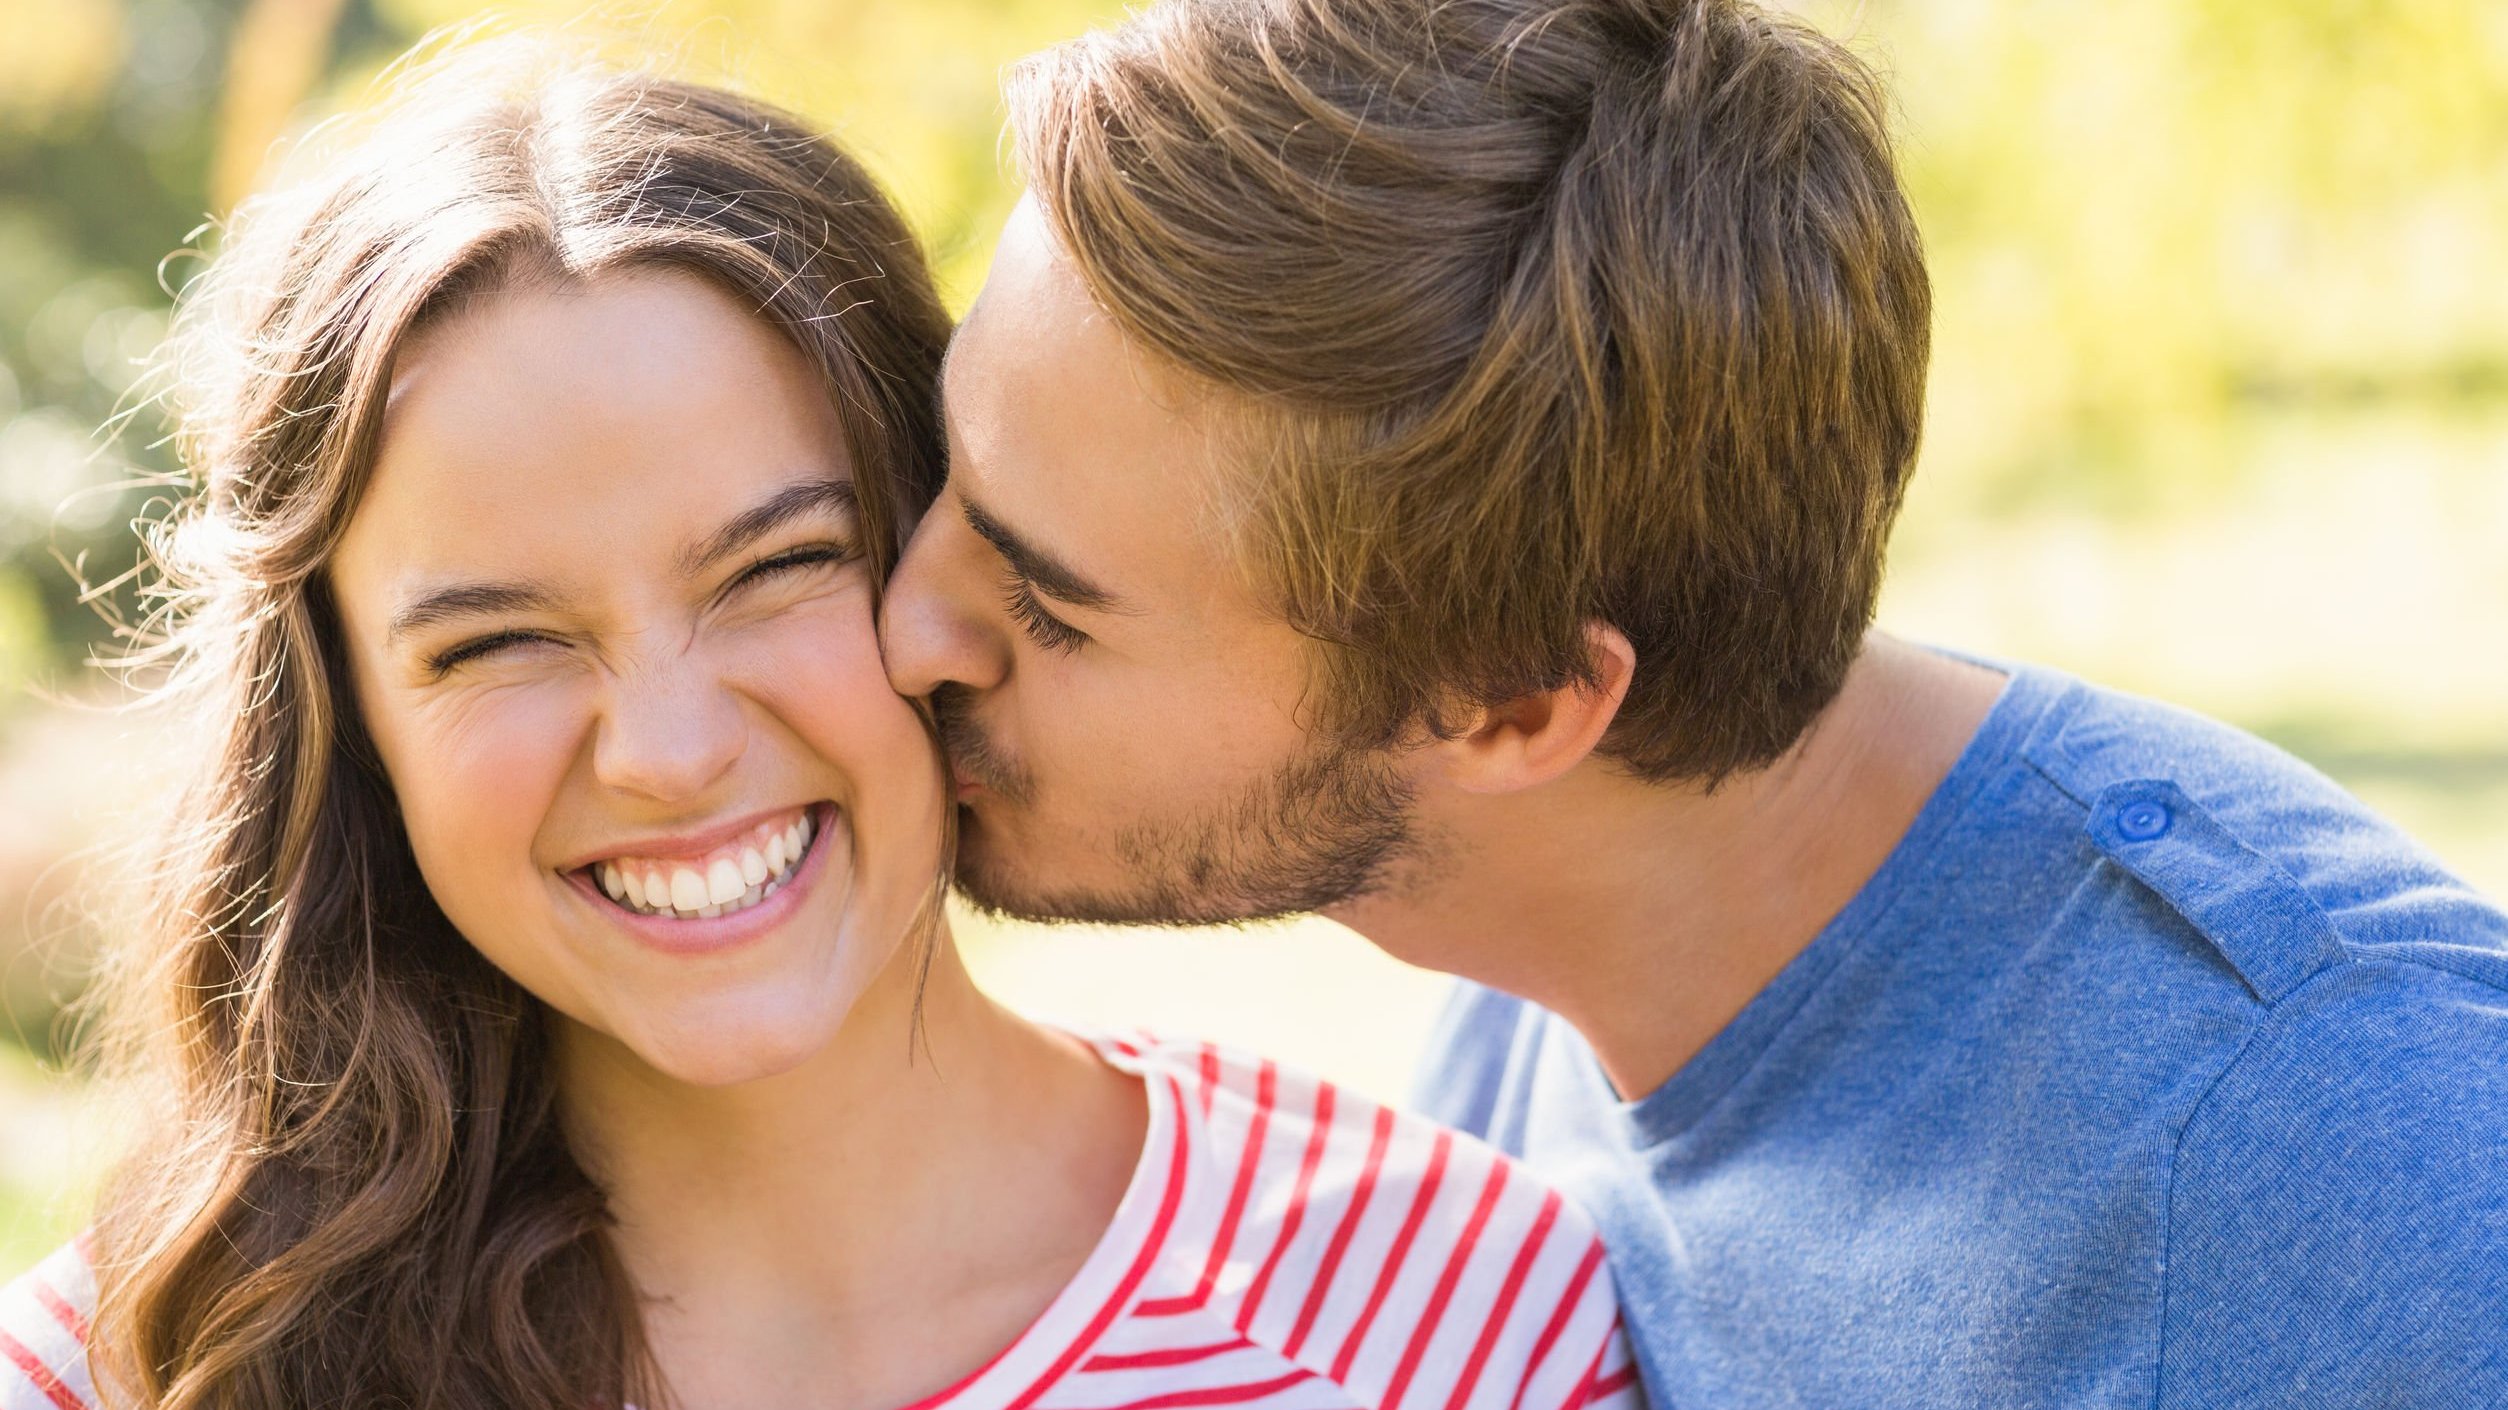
(1283, 1245)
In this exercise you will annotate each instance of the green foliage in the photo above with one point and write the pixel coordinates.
(2147, 217)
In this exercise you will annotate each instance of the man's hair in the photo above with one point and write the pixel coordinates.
(1539, 312)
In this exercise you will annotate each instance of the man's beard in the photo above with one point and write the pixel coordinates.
(1325, 828)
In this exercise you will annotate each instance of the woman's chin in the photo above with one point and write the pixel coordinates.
(727, 1045)
(728, 1060)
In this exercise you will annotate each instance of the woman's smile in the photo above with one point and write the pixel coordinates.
(705, 891)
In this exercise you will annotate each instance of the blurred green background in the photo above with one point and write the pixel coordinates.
(2220, 409)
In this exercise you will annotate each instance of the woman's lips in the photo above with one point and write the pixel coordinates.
(727, 877)
(700, 933)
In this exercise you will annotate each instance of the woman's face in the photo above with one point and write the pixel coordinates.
(611, 631)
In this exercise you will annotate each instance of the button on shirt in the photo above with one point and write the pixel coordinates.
(2150, 1070)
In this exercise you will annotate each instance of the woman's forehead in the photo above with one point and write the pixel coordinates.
(618, 415)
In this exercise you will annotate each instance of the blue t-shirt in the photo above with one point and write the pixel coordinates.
(2150, 1070)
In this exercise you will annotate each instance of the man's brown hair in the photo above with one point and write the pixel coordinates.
(1542, 312)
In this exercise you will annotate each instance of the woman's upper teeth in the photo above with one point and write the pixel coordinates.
(734, 876)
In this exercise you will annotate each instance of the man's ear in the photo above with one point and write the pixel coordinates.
(1529, 741)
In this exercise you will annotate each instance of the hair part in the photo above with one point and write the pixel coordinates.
(355, 1188)
(1536, 313)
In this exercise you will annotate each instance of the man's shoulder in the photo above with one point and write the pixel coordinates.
(2337, 1212)
(2279, 869)
(2134, 838)
(2383, 1059)
(44, 1317)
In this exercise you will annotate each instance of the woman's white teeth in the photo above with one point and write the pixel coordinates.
(687, 890)
(731, 880)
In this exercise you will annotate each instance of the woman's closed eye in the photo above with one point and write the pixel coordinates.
(792, 561)
(788, 564)
(442, 663)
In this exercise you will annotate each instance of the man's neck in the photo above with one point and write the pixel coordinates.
(1649, 916)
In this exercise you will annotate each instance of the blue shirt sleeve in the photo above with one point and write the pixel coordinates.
(2338, 1213)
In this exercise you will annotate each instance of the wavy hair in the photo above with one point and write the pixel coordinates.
(353, 1186)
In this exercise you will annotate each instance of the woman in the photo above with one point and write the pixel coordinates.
(548, 1001)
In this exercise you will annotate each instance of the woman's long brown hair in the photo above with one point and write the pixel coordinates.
(352, 1187)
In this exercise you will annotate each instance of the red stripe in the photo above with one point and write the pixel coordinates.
(1614, 1383)
(1253, 1301)
(1266, 1092)
(1210, 1076)
(1341, 1236)
(1583, 1395)
(1115, 1305)
(1534, 1241)
(1220, 1395)
(1164, 1356)
(1464, 1247)
(60, 1308)
(1394, 1258)
(39, 1373)
(1559, 1319)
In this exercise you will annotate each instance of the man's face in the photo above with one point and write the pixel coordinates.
(1129, 725)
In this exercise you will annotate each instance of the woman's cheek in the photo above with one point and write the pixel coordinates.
(819, 659)
(819, 672)
(477, 775)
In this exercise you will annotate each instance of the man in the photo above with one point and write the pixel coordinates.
(1430, 461)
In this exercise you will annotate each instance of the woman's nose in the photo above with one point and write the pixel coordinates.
(670, 735)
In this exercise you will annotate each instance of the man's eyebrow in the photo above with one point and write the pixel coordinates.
(466, 600)
(1042, 570)
(786, 504)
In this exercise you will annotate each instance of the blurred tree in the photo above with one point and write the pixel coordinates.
(2148, 218)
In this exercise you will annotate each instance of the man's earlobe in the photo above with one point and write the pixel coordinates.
(1527, 742)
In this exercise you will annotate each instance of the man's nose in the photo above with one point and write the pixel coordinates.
(939, 621)
(669, 734)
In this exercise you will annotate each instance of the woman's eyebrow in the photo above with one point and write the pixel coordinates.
(466, 600)
(786, 504)
(481, 599)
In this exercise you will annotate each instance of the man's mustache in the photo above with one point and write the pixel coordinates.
(972, 753)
